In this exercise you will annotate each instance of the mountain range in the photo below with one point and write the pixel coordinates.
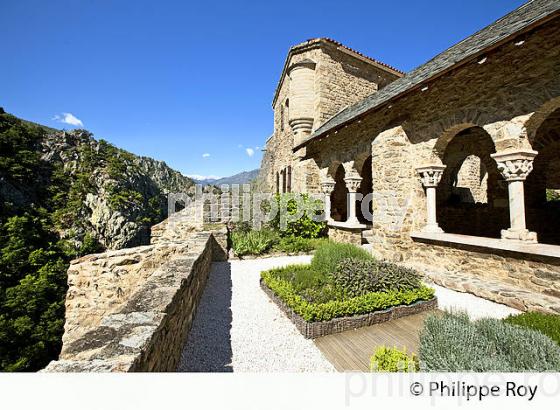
(245, 177)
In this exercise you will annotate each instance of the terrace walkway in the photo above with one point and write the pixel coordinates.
(237, 328)
(351, 350)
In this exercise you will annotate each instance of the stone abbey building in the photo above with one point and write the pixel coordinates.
(459, 159)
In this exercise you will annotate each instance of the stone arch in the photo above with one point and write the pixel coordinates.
(366, 188)
(339, 195)
(360, 160)
(536, 119)
(472, 198)
(542, 187)
(446, 135)
(332, 168)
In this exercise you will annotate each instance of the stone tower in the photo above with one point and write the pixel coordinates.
(320, 78)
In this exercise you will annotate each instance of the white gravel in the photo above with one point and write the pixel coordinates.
(237, 328)
(475, 306)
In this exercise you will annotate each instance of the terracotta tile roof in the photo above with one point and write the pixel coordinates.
(360, 54)
(315, 42)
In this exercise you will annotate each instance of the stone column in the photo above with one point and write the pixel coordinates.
(515, 165)
(430, 176)
(352, 183)
(327, 186)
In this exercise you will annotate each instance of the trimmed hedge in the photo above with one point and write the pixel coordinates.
(393, 360)
(452, 343)
(316, 312)
(547, 324)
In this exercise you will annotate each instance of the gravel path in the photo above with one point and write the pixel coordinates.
(475, 306)
(237, 327)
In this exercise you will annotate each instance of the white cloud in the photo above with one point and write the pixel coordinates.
(206, 155)
(68, 118)
(203, 177)
(250, 151)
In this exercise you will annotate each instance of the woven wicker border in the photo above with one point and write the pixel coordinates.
(313, 330)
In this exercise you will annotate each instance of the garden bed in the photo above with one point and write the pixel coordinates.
(315, 329)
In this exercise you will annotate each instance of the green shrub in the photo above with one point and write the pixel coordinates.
(393, 360)
(253, 242)
(304, 226)
(294, 244)
(358, 276)
(452, 342)
(316, 312)
(548, 324)
(311, 285)
(330, 254)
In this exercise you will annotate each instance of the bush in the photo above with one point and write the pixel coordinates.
(548, 324)
(303, 227)
(330, 254)
(452, 343)
(358, 276)
(393, 360)
(253, 242)
(316, 312)
(311, 285)
(294, 244)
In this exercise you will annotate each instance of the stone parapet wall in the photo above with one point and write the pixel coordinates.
(346, 235)
(522, 281)
(131, 310)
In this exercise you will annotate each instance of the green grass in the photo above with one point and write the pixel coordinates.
(547, 324)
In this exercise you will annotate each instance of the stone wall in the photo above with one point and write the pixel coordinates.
(522, 281)
(131, 310)
(498, 96)
(341, 79)
(345, 235)
(502, 99)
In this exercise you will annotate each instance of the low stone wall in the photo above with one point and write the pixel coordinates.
(313, 330)
(130, 310)
(346, 235)
(522, 281)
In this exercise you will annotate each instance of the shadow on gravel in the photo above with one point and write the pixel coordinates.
(208, 345)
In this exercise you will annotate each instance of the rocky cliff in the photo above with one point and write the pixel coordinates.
(101, 191)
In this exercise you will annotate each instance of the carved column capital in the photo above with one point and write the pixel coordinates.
(515, 165)
(430, 175)
(327, 185)
(353, 182)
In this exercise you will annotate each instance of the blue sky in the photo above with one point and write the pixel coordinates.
(191, 83)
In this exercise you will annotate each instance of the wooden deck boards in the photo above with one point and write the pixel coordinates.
(351, 350)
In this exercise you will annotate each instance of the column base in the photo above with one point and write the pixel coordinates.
(432, 229)
(523, 235)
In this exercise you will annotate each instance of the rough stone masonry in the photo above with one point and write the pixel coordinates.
(459, 156)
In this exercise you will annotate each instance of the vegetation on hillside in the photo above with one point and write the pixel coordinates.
(44, 224)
